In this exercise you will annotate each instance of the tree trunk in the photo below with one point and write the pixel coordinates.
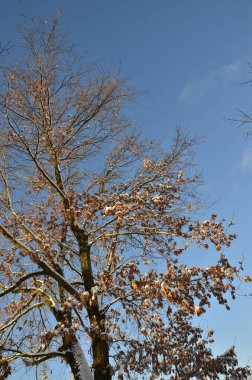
(101, 359)
(78, 363)
(100, 347)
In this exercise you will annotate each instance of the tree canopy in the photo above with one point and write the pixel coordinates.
(94, 222)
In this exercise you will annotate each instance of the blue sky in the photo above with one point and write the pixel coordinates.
(191, 58)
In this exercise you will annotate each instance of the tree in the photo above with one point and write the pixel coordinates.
(94, 222)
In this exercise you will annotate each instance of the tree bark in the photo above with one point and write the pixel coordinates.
(101, 365)
(100, 347)
(78, 363)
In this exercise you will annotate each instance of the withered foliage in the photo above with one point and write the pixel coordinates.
(95, 223)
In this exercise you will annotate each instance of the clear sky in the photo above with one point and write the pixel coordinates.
(191, 57)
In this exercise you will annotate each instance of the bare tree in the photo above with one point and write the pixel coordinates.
(94, 221)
